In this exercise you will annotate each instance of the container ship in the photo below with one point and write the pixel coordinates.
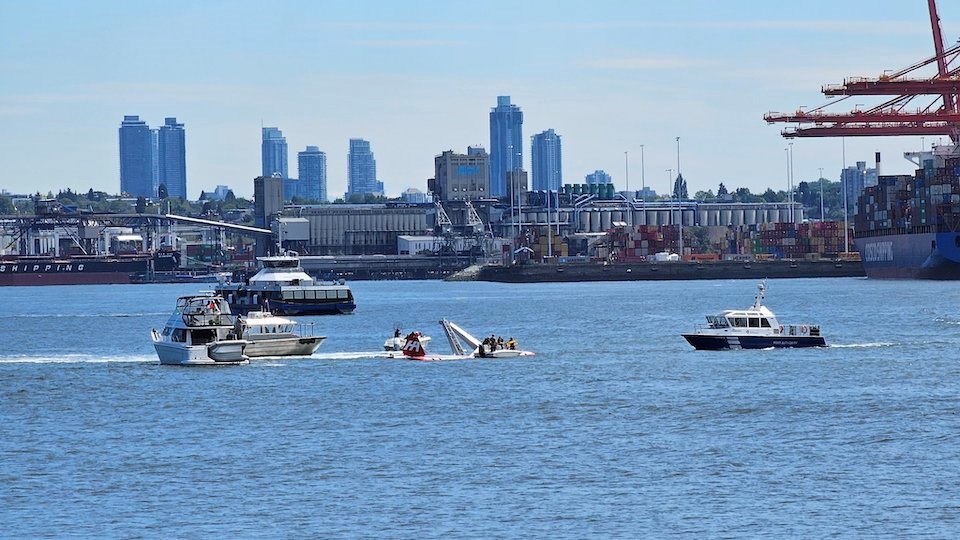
(83, 269)
(908, 227)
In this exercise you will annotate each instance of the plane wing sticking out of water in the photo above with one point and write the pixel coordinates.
(413, 348)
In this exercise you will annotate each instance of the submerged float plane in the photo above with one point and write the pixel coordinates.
(413, 348)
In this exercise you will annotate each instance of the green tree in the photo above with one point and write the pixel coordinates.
(162, 192)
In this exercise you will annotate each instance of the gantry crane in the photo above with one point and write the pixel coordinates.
(892, 117)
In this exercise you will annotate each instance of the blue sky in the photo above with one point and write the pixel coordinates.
(417, 78)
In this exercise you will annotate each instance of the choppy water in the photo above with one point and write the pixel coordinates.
(616, 429)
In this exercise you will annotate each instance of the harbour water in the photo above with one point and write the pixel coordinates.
(617, 428)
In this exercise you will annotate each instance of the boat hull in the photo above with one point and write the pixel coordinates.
(81, 270)
(932, 255)
(214, 354)
(703, 342)
(283, 346)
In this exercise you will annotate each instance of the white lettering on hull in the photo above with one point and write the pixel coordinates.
(878, 252)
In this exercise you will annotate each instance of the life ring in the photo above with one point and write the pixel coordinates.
(803, 329)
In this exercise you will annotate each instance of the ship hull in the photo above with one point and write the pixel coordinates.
(33, 271)
(703, 342)
(934, 256)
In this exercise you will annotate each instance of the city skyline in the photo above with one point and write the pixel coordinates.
(610, 77)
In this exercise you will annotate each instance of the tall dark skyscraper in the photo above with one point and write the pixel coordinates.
(545, 159)
(273, 153)
(172, 158)
(136, 158)
(312, 169)
(362, 169)
(506, 144)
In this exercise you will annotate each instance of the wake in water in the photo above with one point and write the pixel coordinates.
(871, 345)
(76, 359)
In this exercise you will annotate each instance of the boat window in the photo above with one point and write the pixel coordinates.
(298, 295)
(754, 322)
(179, 335)
(341, 293)
(739, 322)
(310, 295)
(287, 295)
(765, 323)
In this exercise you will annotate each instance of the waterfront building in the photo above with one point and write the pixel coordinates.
(361, 169)
(545, 158)
(267, 199)
(172, 158)
(414, 196)
(506, 144)
(461, 177)
(598, 177)
(136, 158)
(362, 229)
(273, 153)
(312, 169)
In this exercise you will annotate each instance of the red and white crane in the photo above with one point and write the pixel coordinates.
(904, 113)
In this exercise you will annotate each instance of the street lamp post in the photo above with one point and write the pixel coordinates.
(679, 204)
(821, 194)
(670, 212)
(643, 188)
(792, 220)
(843, 182)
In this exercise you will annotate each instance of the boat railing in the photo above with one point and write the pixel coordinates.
(208, 319)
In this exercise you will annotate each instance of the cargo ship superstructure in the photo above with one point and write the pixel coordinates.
(908, 227)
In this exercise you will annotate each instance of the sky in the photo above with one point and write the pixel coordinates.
(619, 81)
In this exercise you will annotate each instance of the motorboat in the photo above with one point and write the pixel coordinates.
(283, 287)
(753, 328)
(267, 334)
(200, 332)
(397, 342)
(462, 344)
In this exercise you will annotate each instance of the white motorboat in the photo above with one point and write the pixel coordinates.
(270, 335)
(397, 342)
(199, 332)
(753, 328)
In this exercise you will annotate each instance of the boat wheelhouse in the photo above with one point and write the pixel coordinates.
(753, 328)
(200, 332)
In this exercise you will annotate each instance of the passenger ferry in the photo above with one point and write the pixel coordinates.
(753, 328)
(283, 287)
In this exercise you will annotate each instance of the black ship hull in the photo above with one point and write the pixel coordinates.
(81, 270)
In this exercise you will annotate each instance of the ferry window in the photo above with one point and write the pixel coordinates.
(287, 295)
(341, 293)
(754, 322)
(298, 295)
(310, 295)
(765, 323)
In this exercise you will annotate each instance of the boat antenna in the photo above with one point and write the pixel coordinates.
(758, 301)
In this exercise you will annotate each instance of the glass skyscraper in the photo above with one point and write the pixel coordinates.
(362, 169)
(546, 161)
(136, 158)
(506, 144)
(273, 153)
(172, 158)
(312, 169)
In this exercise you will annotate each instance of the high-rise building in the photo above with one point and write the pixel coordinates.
(598, 177)
(506, 144)
(854, 179)
(273, 153)
(546, 161)
(361, 169)
(172, 158)
(312, 169)
(461, 177)
(155, 162)
(136, 158)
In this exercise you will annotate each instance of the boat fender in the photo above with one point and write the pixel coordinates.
(803, 329)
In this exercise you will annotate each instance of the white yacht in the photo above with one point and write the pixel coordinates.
(200, 332)
(283, 287)
(270, 335)
(753, 328)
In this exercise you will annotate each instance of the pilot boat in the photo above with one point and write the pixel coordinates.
(753, 328)
(271, 335)
(283, 287)
(200, 332)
